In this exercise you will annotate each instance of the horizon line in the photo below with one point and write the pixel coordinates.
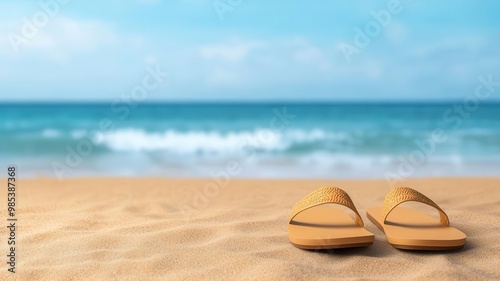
(241, 102)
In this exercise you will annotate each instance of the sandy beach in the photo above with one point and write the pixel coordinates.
(174, 229)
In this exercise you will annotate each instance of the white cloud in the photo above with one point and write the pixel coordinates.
(219, 76)
(148, 1)
(229, 52)
(312, 55)
(151, 59)
(83, 35)
(241, 63)
(196, 1)
(451, 45)
(59, 39)
(396, 32)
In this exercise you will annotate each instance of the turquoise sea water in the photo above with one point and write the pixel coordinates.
(265, 140)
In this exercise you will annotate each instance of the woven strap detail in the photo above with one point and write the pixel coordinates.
(403, 194)
(326, 195)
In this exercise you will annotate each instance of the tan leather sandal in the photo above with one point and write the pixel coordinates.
(413, 230)
(315, 224)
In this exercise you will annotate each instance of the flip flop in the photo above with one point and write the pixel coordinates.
(409, 229)
(324, 226)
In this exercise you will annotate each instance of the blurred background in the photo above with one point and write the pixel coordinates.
(188, 88)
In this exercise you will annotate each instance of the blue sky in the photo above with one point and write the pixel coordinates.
(286, 50)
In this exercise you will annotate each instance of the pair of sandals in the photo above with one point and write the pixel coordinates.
(324, 227)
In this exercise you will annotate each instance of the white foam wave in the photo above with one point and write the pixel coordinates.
(51, 133)
(211, 142)
(77, 134)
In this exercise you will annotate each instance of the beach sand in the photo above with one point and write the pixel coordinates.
(175, 229)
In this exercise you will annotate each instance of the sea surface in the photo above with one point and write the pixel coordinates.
(279, 140)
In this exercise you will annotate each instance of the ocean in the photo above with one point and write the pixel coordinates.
(278, 140)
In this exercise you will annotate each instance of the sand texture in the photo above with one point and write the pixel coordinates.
(169, 229)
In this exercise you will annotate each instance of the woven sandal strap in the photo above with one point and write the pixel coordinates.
(326, 195)
(404, 194)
